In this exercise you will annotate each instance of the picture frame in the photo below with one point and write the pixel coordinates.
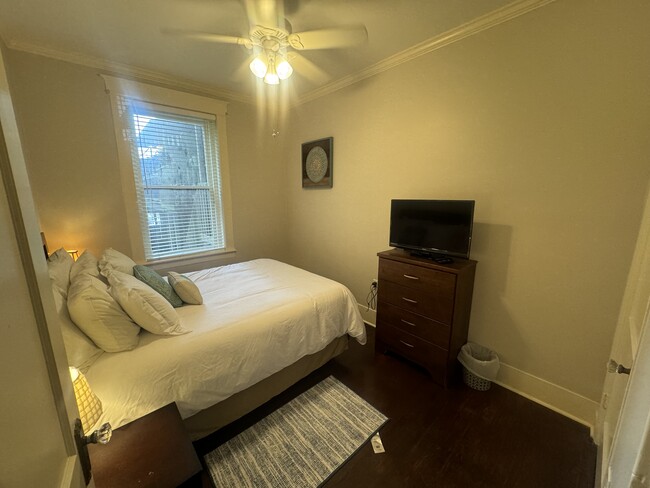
(316, 162)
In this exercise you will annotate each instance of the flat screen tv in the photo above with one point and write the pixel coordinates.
(432, 227)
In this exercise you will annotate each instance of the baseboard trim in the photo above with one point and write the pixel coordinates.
(557, 398)
(599, 465)
(368, 316)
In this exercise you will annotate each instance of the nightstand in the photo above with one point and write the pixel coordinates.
(154, 450)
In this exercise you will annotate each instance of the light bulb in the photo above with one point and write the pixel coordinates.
(258, 66)
(271, 77)
(283, 68)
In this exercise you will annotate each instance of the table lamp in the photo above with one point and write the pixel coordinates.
(90, 409)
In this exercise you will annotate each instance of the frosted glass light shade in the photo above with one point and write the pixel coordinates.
(283, 69)
(271, 77)
(258, 66)
(271, 68)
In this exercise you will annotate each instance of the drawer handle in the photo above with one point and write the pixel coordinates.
(407, 344)
(409, 300)
(411, 277)
(408, 323)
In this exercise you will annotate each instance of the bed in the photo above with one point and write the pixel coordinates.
(263, 325)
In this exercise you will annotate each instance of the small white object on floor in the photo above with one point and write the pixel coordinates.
(377, 445)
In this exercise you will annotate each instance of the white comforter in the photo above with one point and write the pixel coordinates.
(257, 318)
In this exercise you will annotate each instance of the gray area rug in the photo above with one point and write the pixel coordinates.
(301, 444)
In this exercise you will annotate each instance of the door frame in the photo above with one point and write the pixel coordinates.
(624, 460)
(24, 220)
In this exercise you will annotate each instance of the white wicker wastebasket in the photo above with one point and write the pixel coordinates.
(477, 359)
(475, 382)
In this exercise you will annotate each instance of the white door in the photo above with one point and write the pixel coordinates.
(37, 408)
(624, 416)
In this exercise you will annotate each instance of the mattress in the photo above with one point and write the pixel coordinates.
(257, 318)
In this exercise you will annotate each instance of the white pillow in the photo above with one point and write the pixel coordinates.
(146, 306)
(185, 288)
(100, 317)
(85, 264)
(58, 267)
(80, 350)
(113, 260)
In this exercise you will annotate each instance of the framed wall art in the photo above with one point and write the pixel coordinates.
(317, 163)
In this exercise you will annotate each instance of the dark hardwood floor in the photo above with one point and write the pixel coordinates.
(457, 437)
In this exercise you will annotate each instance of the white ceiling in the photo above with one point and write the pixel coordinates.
(128, 32)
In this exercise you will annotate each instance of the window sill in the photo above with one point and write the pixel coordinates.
(194, 260)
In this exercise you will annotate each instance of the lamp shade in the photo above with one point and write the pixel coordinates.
(90, 408)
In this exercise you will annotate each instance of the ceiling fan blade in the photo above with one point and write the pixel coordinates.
(307, 69)
(208, 36)
(329, 38)
(243, 72)
(293, 6)
(269, 13)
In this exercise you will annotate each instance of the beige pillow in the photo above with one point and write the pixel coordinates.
(59, 264)
(79, 349)
(185, 288)
(85, 264)
(146, 306)
(113, 260)
(100, 317)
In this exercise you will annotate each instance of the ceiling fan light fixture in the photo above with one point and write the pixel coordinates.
(271, 77)
(283, 69)
(259, 66)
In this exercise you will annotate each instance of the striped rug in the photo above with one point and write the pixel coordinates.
(299, 445)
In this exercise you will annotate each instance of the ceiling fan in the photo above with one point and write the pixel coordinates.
(272, 41)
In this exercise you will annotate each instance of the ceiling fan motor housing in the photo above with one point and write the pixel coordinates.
(268, 38)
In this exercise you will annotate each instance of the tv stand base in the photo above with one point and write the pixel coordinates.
(438, 258)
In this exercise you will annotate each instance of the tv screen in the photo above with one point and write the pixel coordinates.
(432, 226)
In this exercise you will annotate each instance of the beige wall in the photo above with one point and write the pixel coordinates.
(67, 130)
(543, 121)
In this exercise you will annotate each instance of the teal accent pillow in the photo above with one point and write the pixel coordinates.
(158, 283)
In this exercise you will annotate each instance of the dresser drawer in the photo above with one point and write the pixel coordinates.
(438, 306)
(429, 356)
(417, 277)
(415, 324)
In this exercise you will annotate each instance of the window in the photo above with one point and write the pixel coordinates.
(177, 182)
(171, 160)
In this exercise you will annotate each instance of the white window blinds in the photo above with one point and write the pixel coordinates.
(175, 155)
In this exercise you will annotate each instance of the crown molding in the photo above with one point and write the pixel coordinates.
(131, 72)
(487, 21)
(468, 29)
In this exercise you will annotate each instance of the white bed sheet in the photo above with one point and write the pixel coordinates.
(257, 318)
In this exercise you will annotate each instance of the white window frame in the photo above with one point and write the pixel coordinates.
(178, 102)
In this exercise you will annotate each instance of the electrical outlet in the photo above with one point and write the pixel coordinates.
(374, 283)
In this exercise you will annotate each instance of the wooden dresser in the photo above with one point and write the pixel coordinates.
(423, 310)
